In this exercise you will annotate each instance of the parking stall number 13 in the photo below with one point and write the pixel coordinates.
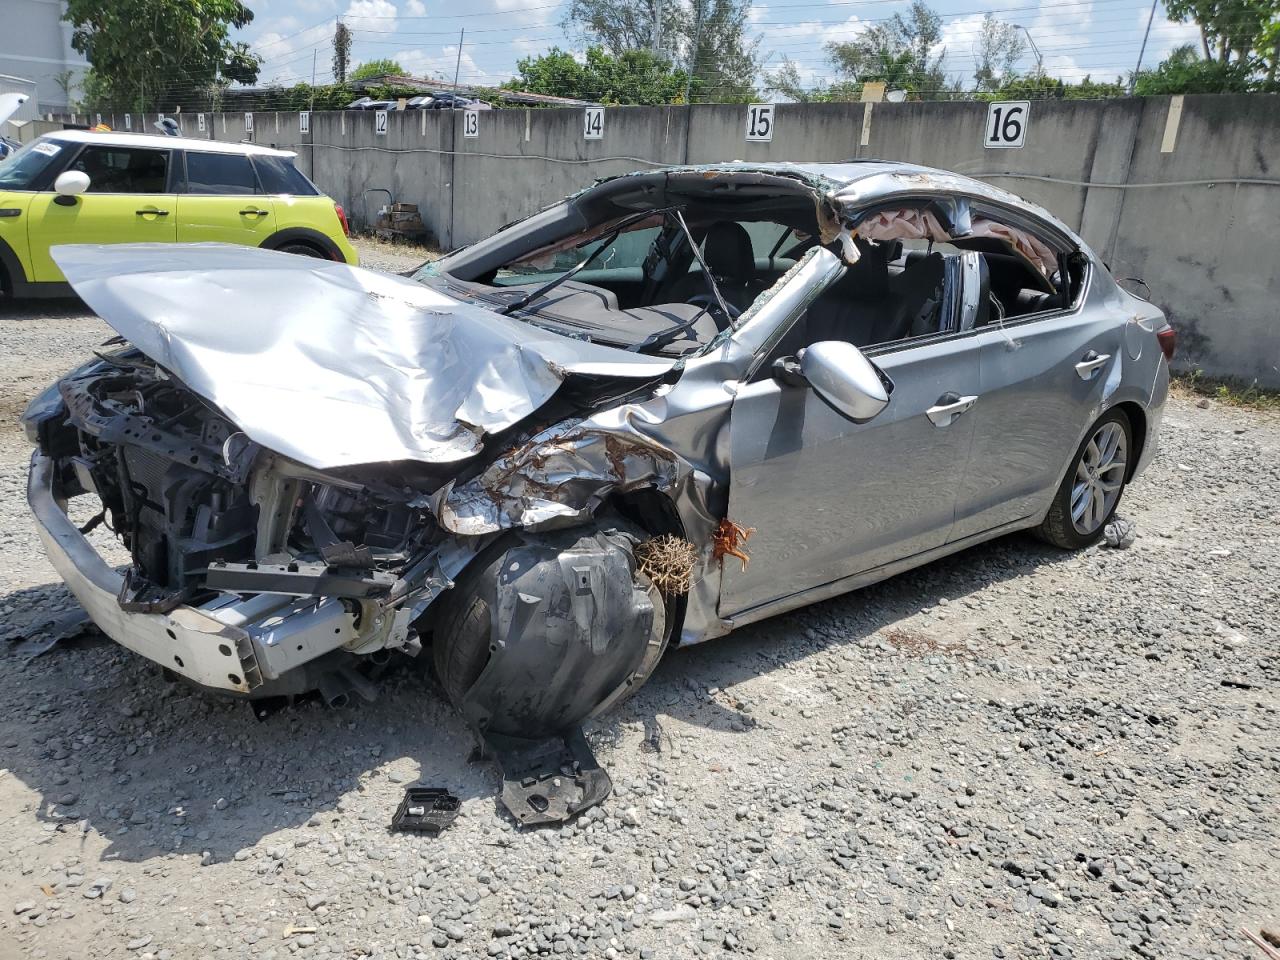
(1007, 124)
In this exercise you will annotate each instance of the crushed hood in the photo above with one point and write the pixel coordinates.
(330, 364)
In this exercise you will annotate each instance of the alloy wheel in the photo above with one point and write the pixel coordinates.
(1099, 478)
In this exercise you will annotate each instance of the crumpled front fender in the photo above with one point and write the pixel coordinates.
(559, 477)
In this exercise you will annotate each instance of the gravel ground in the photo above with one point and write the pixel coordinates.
(1014, 752)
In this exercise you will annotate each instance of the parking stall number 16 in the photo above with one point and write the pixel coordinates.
(1007, 124)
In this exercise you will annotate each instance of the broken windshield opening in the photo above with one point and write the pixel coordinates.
(664, 279)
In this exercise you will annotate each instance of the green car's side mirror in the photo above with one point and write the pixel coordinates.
(69, 185)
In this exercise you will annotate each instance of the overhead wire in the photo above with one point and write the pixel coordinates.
(1091, 57)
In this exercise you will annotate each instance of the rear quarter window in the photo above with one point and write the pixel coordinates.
(220, 173)
(279, 175)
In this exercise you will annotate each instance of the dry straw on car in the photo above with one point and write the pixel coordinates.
(668, 563)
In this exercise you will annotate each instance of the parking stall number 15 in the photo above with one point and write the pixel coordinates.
(760, 122)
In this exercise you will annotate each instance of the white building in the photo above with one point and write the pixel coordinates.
(35, 44)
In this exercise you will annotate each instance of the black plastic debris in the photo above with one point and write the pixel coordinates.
(426, 810)
(551, 781)
(41, 636)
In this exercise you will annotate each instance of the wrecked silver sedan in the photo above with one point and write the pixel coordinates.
(676, 403)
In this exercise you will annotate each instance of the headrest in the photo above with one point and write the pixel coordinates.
(869, 277)
(727, 250)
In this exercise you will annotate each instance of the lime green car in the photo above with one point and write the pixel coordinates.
(80, 186)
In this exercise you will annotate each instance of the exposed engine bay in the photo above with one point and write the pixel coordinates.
(312, 580)
(206, 512)
(196, 502)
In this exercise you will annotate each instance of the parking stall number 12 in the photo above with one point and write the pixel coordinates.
(1007, 124)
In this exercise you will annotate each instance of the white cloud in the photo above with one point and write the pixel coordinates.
(371, 15)
(517, 12)
(284, 49)
(1060, 37)
(803, 43)
(959, 37)
(440, 66)
(415, 8)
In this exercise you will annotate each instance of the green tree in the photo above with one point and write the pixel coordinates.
(720, 55)
(1041, 86)
(378, 68)
(1233, 31)
(786, 81)
(67, 83)
(341, 51)
(997, 49)
(617, 26)
(897, 52)
(707, 36)
(1185, 71)
(148, 52)
(632, 77)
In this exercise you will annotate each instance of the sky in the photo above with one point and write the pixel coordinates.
(1100, 38)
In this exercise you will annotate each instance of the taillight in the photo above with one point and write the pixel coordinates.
(342, 218)
(1168, 341)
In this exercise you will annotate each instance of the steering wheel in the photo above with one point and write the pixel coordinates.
(712, 306)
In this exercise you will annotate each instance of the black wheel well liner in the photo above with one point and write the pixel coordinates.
(307, 237)
(653, 510)
(11, 272)
(1138, 427)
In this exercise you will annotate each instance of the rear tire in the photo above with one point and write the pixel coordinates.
(302, 250)
(1094, 485)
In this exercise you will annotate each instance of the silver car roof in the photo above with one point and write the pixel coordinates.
(855, 184)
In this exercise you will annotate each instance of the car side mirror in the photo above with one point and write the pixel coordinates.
(847, 380)
(69, 185)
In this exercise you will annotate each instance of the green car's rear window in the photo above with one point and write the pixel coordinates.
(279, 175)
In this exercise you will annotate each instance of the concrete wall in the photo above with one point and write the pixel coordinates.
(1185, 220)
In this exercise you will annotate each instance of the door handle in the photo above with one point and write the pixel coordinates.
(253, 213)
(949, 406)
(152, 213)
(1091, 363)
